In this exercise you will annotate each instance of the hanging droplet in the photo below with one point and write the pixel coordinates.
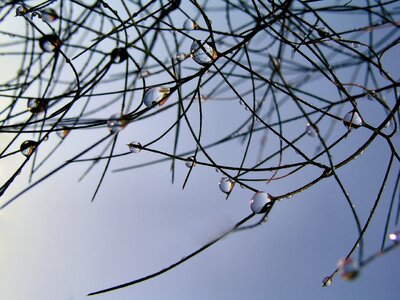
(62, 132)
(49, 15)
(36, 105)
(28, 147)
(352, 120)
(189, 24)
(144, 74)
(323, 32)
(156, 95)
(260, 202)
(226, 185)
(395, 236)
(242, 103)
(180, 56)
(355, 45)
(190, 162)
(327, 281)
(311, 130)
(118, 55)
(135, 147)
(116, 123)
(50, 43)
(347, 269)
(21, 11)
(202, 53)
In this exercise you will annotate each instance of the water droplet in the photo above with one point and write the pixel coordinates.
(327, 281)
(352, 120)
(135, 147)
(156, 95)
(62, 132)
(190, 162)
(395, 236)
(116, 123)
(226, 184)
(49, 43)
(323, 32)
(347, 269)
(260, 202)
(36, 105)
(145, 74)
(28, 147)
(189, 24)
(180, 56)
(371, 95)
(21, 10)
(118, 55)
(49, 15)
(311, 130)
(355, 45)
(242, 103)
(202, 53)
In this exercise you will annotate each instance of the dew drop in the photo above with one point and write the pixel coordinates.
(21, 10)
(118, 55)
(50, 43)
(62, 132)
(347, 269)
(190, 162)
(323, 32)
(156, 95)
(202, 53)
(145, 74)
(189, 24)
(395, 236)
(116, 123)
(352, 120)
(49, 15)
(135, 147)
(327, 281)
(226, 184)
(355, 45)
(28, 147)
(311, 130)
(371, 95)
(260, 202)
(36, 105)
(242, 103)
(180, 56)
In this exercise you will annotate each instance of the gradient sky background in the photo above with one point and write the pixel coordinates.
(56, 244)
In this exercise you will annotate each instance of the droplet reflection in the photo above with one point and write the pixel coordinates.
(116, 123)
(260, 202)
(202, 53)
(226, 185)
(28, 147)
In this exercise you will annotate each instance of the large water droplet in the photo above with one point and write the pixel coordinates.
(395, 236)
(352, 120)
(116, 123)
(50, 43)
(311, 130)
(347, 269)
(49, 15)
(189, 24)
(28, 147)
(135, 147)
(226, 184)
(202, 53)
(190, 162)
(118, 55)
(260, 202)
(21, 10)
(36, 105)
(156, 95)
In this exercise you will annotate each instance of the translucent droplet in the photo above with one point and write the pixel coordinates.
(242, 103)
(395, 236)
(49, 15)
(118, 55)
(355, 45)
(21, 10)
(322, 32)
(190, 162)
(202, 53)
(36, 105)
(145, 74)
(260, 202)
(347, 269)
(28, 147)
(62, 132)
(180, 56)
(116, 123)
(226, 184)
(327, 281)
(156, 95)
(49, 43)
(135, 147)
(352, 120)
(311, 130)
(189, 24)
